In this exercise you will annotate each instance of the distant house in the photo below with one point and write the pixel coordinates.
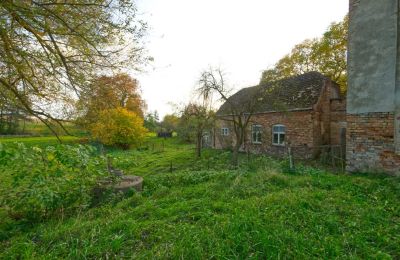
(306, 111)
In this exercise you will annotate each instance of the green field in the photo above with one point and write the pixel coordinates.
(34, 128)
(39, 141)
(196, 209)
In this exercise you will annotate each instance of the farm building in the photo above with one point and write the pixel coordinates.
(306, 112)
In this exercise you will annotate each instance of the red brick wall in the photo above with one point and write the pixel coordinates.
(299, 131)
(323, 109)
(370, 143)
(306, 130)
(338, 121)
(330, 116)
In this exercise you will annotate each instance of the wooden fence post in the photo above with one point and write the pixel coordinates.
(291, 161)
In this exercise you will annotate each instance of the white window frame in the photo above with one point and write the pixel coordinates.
(252, 134)
(279, 133)
(224, 131)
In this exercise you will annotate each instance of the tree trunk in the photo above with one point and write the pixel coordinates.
(235, 153)
(235, 156)
(198, 145)
(236, 147)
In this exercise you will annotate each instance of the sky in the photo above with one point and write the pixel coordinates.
(241, 37)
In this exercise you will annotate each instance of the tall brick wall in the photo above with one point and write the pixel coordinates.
(373, 94)
(370, 146)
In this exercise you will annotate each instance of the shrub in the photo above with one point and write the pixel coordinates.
(39, 182)
(119, 127)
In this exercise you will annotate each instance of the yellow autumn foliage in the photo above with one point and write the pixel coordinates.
(119, 127)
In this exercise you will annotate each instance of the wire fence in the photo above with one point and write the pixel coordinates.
(333, 156)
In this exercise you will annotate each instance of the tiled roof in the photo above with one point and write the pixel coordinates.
(294, 93)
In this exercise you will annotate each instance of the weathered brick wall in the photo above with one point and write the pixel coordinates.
(324, 107)
(306, 130)
(373, 86)
(223, 142)
(330, 117)
(370, 143)
(338, 122)
(299, 131)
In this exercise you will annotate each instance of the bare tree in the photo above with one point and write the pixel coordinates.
(238, 113)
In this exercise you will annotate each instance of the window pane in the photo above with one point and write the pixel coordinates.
(279, 129)
(276, 139)
(224, 131)
(282, 138)
(259, 137)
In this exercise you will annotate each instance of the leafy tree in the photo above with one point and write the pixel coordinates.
(54, 49)
(195, 120)
(110, 92)
(119, 127)
(170, 123)
(184, 130)
(332, 49)
(151, 121)
(326, 55)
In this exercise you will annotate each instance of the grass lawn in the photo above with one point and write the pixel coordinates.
(196, 209)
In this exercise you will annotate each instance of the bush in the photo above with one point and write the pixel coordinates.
(39, 182)
(119, 127)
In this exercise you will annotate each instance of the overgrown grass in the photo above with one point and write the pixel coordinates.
(39, 141)
(39, 129)
(205, 209)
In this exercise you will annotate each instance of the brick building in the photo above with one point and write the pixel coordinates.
(306, 111)
(373, 111)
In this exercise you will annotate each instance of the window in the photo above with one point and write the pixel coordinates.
(256, 134)
(224, 131)
(278, 134)
(206, 139)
